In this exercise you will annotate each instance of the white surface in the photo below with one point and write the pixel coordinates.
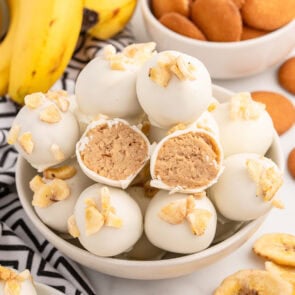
(205, 280)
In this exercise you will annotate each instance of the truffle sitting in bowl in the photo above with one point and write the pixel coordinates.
(112, 152)
(106, 220)
(187, 161)
(111, 77)
(244, 124)
(56, 193)
(189, 220)
(180, 86)
(44, 131)
(260, 178)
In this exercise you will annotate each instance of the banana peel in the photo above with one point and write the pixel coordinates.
(113, 16)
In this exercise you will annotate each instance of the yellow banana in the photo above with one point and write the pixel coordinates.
(44, 43)
(113, 16)
(6, 45)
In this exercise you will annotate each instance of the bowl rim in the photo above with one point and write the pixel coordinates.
(145, 8)
(65, 246)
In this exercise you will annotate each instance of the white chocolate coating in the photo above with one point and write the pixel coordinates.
(56, 215)
(26, 288)
(101, 90)
(234, 195)
(124, 183)
(64, 134)
(177, 238)
(158, 183)
(243, 136)
(26, 285)
(205, 121)
(179, 102)
(109, 241)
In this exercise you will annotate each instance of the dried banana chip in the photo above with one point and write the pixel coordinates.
(285, 272)
(279, 248)
(254, 282)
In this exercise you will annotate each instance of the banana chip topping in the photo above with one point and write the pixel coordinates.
(267, 179)
(95, 218)
(243, 107)
(12, 280)
(178, 211)
(169, 65)
(48, 192)
(134, 54)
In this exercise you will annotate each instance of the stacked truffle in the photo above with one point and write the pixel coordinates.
(153, 141)
(12, 282)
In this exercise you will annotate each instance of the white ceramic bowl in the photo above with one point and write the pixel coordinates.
(145, 270)
(225, 60)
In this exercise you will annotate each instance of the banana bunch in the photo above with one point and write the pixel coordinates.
(42, 36)
(39, 44)
(112, 15)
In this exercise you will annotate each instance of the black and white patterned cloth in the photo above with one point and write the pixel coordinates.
(21, 244)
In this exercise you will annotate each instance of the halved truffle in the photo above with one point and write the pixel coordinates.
(186, 161)
(112, 152)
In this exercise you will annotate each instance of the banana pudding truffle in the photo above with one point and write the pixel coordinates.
(107, 85)
(244, 124)
(188, 219)
(44, 131)
(56, 193)
(247, 188)
(186, 161)
(112, 152)
(173, 88)
(106, 220)
(14, 283)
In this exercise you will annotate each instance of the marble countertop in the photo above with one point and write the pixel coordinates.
(204, 281)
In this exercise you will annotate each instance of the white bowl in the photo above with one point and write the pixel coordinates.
(225, 60)
(145, 270)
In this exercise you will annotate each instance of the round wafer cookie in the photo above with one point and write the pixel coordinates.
(280, 109)
(268, 14)
(160, 7)
(291, 163)
(219, 20)
(181, 25)
(286, 75)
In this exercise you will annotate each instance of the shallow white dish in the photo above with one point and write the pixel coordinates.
(144, 270)
(225, 60)
(46, 290)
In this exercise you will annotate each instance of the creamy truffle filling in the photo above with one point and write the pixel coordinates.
(115, 152)
(189, 160)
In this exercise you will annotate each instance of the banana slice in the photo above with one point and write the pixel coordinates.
(254, 282)
(285, 272)
(279, 248)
